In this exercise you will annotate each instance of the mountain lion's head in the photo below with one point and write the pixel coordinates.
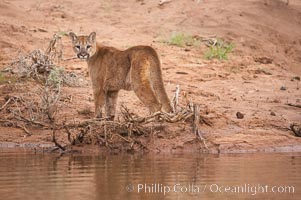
(84, 46)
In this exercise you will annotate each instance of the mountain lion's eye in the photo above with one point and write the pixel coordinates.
(89, 46)
(78, 47)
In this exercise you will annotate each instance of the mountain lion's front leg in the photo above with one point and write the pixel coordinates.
(99, 101)
(111, 101)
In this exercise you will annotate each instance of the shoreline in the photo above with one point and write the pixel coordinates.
(94, 149)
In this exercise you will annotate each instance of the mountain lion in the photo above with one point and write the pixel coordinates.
(137, 68)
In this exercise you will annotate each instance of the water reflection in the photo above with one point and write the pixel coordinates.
(47, 176)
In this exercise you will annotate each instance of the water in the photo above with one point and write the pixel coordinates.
(83, 177)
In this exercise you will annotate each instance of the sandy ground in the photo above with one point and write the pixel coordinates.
(258, 28)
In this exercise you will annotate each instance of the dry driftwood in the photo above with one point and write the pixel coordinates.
(296, 128)
(162, 2)
(294, 105)
(25, 111)
(41, 65)
(98, 130)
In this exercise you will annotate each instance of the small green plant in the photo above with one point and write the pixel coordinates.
(7, 79)
(55, 77)
(63, 33)
(2, 79)
(219, 50)
(180, 40)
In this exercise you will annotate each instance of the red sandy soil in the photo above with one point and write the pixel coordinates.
(258, 28)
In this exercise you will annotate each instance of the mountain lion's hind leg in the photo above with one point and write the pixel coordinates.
(142, 87)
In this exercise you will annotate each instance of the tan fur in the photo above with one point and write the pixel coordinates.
(137, 68)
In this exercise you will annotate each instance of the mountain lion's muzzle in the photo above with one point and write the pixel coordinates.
(83, 55)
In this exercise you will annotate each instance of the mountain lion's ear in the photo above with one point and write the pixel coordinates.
(72, 36)
(92, 37)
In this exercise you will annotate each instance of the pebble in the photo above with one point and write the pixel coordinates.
(239, 115)
(283, 88)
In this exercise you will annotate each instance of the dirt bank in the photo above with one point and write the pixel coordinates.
(261, 78)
